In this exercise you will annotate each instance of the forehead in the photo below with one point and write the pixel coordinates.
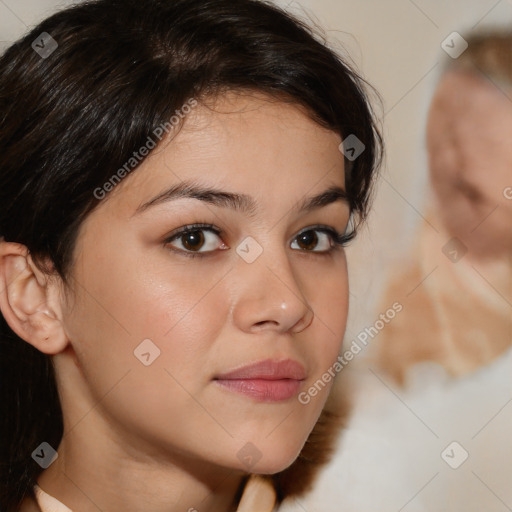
(244, 142)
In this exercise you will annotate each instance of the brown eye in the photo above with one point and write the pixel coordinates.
(318, 240)
(196, 239)
(308, 240)
(193, 240)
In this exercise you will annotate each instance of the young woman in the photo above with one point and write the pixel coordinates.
(177, 182)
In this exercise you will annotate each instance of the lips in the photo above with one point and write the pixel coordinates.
(268, 381)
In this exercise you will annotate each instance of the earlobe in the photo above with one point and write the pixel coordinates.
(29, 300)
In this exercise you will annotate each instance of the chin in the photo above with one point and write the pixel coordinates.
(273, 457)
(273, 465)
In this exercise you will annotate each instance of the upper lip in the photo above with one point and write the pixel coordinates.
(268, 369)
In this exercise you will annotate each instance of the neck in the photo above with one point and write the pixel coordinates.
(88, 477)
(100, 467)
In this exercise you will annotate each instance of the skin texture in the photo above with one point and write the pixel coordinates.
(470, 157)
(165, 436)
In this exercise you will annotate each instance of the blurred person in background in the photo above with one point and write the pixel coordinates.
(457, 290)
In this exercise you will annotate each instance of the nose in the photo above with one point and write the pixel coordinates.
(268, 296)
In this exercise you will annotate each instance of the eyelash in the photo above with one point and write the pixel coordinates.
(339, 240)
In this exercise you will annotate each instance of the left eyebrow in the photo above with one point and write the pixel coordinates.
(240, 202)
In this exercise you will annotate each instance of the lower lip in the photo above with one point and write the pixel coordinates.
(262, 389)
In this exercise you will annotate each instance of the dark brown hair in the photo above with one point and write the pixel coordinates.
(71, 118)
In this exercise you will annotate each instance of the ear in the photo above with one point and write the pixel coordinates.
(30, 301)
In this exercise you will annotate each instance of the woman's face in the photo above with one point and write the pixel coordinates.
(470, 157)
(255, 292)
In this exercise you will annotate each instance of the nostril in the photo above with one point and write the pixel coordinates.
(263, 322)
(264, 325)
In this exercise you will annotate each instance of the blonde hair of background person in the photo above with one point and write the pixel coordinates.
(174, 211)
(456, 289)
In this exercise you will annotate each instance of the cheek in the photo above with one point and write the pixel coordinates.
(126, 305)
(129, 298)
(328, 295)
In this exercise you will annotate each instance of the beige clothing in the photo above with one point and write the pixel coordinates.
(258, 496)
